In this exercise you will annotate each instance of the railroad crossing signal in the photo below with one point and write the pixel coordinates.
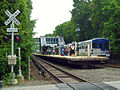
(6, 38)
(17, 38)
(12, 17)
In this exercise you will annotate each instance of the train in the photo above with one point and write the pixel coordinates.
(84, 53)
(94, 47)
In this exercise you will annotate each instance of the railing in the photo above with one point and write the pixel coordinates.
(91, 52)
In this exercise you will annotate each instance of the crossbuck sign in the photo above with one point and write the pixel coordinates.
(12, 17)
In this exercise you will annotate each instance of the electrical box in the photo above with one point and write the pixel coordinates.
(11, 60)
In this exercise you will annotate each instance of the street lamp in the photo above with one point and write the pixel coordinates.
(76, 30)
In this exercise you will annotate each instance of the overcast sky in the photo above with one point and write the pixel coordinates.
(50, 13)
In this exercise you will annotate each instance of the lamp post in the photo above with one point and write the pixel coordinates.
(76, 30)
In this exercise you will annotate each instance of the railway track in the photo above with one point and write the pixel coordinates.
(107, 65)
(60, 75)
(112, 65)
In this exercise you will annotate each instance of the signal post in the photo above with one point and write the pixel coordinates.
(12, 30)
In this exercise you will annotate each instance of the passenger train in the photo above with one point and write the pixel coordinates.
(94, 47)
(82, 53)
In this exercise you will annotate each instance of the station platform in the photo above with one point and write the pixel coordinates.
(79, 86)
(73, 60)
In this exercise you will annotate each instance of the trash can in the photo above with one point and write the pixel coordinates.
(1, 85)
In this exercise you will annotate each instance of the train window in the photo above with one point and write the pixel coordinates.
(48, 40)
(106, 45)
(56, 40)
(53, 41)
(100, 45)
(94, 45)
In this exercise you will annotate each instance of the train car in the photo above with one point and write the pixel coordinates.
(95, 47)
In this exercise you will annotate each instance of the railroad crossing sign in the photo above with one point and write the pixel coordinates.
(12, 17)
(12, 57)
(12, 29)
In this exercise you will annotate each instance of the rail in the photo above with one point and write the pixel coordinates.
(107, 65)
(60, 75)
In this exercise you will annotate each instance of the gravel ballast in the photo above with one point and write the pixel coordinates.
(105, 74)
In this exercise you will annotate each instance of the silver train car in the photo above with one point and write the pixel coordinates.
(94, 47)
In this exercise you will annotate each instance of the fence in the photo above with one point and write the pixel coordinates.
(115, 58)
(92, 52)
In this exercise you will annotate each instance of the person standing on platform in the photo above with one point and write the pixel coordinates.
(62, 52)
(65, 51)
(53, 51)
(70, 50)
(73, 50)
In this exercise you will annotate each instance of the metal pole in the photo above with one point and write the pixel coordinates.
(28, 67)
(19, 62)
(88, 50)
(6, 55)
(12, 45)
(75, 48)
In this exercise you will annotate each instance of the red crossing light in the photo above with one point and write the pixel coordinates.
(17, 38)
(6, 38)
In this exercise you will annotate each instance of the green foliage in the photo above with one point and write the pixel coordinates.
(112, 25)
(96, 18)
(80, 15)
(49, 35)
(25, 31)
(7, 78)
(66, 31)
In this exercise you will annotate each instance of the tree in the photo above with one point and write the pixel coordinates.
(81, 15)
(66, 30)
(97, 16)
(25, 31)
(112, 25)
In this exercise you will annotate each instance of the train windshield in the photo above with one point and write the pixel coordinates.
(103, 44)
(106, 44)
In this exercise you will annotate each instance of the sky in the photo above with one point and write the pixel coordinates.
(49, 14)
